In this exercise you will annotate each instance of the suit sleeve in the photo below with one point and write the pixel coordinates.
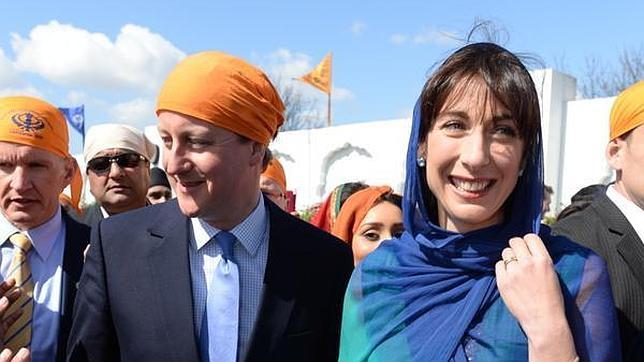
(93, 337)
(344, 267)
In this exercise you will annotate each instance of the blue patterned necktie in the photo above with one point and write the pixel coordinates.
(220, 323)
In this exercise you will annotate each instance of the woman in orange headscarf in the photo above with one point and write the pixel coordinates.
(367, 218)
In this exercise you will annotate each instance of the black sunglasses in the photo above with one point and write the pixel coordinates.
(124, 160)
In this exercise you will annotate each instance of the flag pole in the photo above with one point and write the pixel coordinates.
(328, 111)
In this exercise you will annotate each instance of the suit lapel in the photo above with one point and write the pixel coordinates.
(279, 288)
(76, 239)
(627, 242)
(169, 270)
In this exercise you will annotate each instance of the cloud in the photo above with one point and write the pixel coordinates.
(427, 35)
(10, 81)
(342, 94)
(358, 27)
(138, 112)
(137, 59)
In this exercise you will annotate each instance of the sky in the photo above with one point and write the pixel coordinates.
(112, 57)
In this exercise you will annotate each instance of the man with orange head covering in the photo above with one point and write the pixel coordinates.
(42, 247)
(613, 224)
(220, 273)
(272, 182)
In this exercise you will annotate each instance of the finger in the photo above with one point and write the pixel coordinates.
(12, 318)
(501, 275)
(520, 248)
(536, 245)
(7, 285)
(507, 254)
(23, 355)
(4, 305)
(14, 295)
(5, 356)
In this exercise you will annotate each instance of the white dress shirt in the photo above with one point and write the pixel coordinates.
(251, 254)
(45, 261)
(632, 212)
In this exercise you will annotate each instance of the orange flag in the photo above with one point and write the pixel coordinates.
(320, 76)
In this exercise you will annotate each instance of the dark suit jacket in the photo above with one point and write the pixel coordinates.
(135, 298)
(76, 239)
(605, 230)
(91, 216)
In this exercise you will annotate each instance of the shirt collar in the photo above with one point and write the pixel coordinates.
(632, 212)
(42, 237)
(250, 232)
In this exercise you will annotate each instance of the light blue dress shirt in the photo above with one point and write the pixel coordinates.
(251, 254)
(45, 261)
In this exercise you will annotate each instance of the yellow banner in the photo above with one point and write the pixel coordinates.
(320, 76)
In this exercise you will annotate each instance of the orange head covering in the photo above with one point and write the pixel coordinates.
(275, 172)
(33, 122)
(226, 91)
(328, 211)
(628, 110)
(355, 209)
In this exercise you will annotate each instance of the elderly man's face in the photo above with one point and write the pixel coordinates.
(272, 190)
(30, 181)
(119, 187)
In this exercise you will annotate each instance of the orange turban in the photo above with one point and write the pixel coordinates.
(355, 209)
(275, 172)
(33, 122)
(628, 110)
(226, 91)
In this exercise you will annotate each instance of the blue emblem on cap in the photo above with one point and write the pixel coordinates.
(28, 121)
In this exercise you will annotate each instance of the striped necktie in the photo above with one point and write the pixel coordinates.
(220, 324)
(19, 334)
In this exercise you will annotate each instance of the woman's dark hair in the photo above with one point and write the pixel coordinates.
(347, 189)
(390, 197)
(506, 78)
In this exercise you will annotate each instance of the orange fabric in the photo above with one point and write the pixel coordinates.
(355, 209)
(275, 172)
(34, 122)
(628, 110)
(320, 76)
(226, 91)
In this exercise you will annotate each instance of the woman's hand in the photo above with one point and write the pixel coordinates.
(530, 288)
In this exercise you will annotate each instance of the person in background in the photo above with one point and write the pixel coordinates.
(367, 218)
(41, 245)
(220, 273)
(547, 200)
(272, 182)
(118, 170)
(159, 190)
(328, 211)
(474, 275)
(613, 224)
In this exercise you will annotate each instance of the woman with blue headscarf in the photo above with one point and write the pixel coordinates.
(476, 276)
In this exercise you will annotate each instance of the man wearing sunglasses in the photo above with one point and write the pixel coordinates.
(220, 273)
(118, 170)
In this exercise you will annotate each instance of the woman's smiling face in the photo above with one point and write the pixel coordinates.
(474, 152)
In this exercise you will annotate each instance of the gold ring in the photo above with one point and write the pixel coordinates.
(508, 261)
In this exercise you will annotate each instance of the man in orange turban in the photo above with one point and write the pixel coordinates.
(613, 224)
(220, 248)
(272, 182)
(42, 246)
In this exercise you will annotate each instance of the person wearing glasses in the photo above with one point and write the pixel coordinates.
(41, 246)
(117, 160)
(220, 273)
(272, 183)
